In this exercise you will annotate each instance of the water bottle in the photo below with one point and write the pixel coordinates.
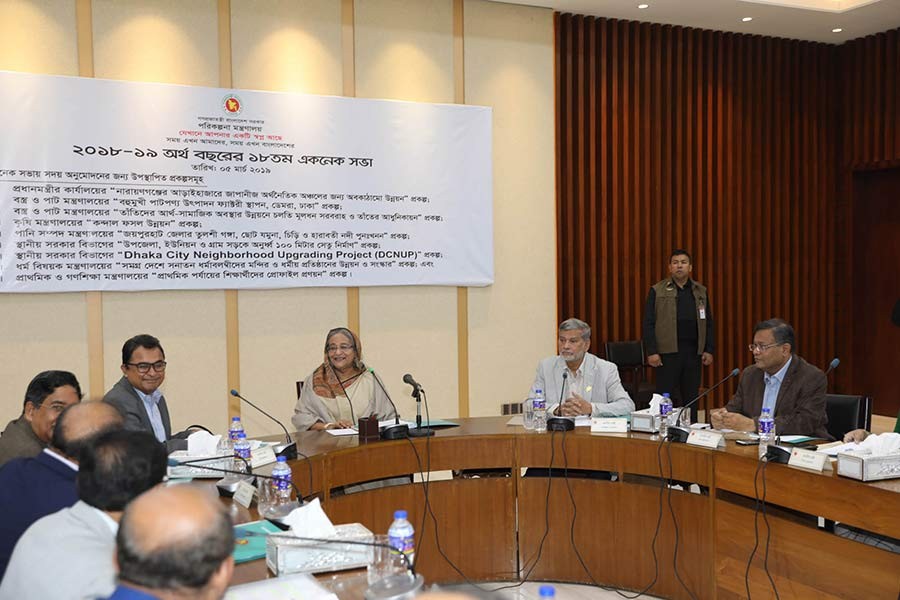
(281, 481)
(766, 431)
(401, 536)
(547, 591)
(241, 453)
(235, 428)
(665, 412)
(540, 411)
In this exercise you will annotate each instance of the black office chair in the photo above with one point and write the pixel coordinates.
(629, 358)
(846, 413)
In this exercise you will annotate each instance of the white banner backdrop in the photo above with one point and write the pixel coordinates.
(112, 185)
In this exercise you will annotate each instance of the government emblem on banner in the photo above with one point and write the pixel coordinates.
(232, 104)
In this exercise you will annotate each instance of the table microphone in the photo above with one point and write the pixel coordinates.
(398, 430)
(832, 365)
(679, 434)
(561, 423)
(289, 448)
(417, 393)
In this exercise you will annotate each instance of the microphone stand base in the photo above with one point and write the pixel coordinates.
(560, 424)
(287, 450)
(678, 435)
(421, 432)
(395, 432)
(228, 485)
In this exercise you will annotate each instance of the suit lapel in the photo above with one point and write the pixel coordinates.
(786, 385)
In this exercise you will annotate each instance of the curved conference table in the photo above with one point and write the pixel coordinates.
(491, 526)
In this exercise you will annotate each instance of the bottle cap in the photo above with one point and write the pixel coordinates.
(547, 591)
(235, 419)
(282, 459)
(399, 514)
(666, 395)
(241, 435)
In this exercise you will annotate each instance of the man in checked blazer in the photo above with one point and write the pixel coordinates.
(780, 380)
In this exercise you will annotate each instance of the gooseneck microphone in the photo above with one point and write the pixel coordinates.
(680, 434)
(417, 393)
(832, 365)
(561, 423)
(289, 448)
(398, 430)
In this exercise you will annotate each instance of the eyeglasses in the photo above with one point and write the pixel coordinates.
(342, 348)
(762, 347)
(144, 367)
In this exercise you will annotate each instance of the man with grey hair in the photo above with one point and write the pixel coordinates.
(781, 381)
(578, 383)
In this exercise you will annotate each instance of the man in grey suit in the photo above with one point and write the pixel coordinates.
(137, 394)
(69, 554)
(579, 383)
(779, 380)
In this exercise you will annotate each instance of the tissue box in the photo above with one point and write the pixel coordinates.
(868, 467)
(642, 420)
(286, 554)
(196, 471)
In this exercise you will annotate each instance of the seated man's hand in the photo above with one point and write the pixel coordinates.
(716, 419)
(575, 406)
(857, 435)
(737, 422)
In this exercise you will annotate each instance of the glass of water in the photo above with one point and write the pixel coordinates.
(528, 413)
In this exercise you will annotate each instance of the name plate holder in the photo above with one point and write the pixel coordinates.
(243, 495)
(609, 425)
(807, 459)
(263, 455)
(706, 439)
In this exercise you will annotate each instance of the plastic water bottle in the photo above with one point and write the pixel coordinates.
(547, 591)
(401, 535)
(665, 412)
(766, 431)
(241, 453)
(540, 411)
(281, 481)
(235, 428)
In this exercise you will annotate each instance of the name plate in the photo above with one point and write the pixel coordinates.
(243, 495)
(262, 456)
(705, 439)
(807, 459)
(609, 425)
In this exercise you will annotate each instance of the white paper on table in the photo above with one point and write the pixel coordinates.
(839, 449)
(290, 587)
(348, 431)
(790, 439)
(517, 420)
(583, 421)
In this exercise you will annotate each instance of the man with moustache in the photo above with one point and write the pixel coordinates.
(779, 380)
(591, 386)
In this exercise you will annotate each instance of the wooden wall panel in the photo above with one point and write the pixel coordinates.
(720, 143)
(869, 89)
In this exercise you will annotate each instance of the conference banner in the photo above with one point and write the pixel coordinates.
(113, 185)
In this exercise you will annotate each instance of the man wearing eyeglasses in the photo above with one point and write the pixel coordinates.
(137, 394)
(779, 380)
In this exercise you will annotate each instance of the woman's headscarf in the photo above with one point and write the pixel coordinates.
(325, 379)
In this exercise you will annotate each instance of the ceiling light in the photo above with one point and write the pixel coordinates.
(746, 19)
(836, 30)
(643, 6)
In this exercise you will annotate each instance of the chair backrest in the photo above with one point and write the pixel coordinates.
(299, 389)
(846, 413)
(626, 355)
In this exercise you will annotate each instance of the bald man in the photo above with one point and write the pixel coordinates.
(174, 543)
(31, 488)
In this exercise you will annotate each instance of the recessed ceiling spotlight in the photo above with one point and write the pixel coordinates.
(836, 30)
(643, 6)
(746, 19)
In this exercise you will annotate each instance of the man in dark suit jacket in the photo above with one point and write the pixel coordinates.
(781, 380)
(31, 488)
(137, 394)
